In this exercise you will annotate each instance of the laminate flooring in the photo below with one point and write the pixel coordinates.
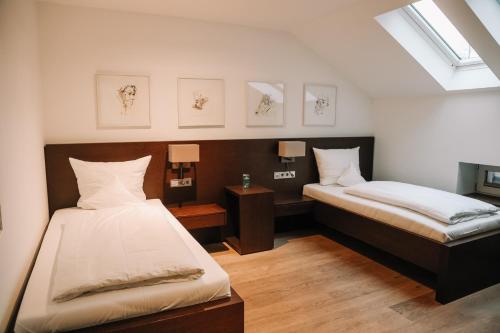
(313, 283)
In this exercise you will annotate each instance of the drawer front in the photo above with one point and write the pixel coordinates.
(203, 221)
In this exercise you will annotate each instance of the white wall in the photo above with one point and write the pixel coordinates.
(78, 42)
(422, 140)
(23, 197)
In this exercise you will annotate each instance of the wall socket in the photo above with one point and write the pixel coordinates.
(284, 174)
(181, 182)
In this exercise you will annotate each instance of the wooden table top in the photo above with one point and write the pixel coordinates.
(197, 210)
(254, 189)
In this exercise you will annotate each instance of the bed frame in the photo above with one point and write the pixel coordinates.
(462, 267)
(224, 315)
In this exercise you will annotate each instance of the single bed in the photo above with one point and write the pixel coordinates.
(39, 314)
(207, 304)
(465, 257)
(400, 218)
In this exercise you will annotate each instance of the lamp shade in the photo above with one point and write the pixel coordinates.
(292, 148)
(183, 153)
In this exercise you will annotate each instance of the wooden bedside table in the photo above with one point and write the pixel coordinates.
(286, 204)
(200, 216)
(251, 214)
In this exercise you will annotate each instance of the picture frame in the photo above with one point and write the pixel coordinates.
(122, 101)
(265, 104)
(320, 104)
(200, 102)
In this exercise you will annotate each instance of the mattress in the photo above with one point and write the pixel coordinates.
(398, 217)
(39, 314)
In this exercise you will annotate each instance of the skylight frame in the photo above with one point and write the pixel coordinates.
(438, 40)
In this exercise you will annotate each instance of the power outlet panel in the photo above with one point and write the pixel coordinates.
(185, 182)
(284, 174)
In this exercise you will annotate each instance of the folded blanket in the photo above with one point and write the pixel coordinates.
(443, 206)
(118, 248)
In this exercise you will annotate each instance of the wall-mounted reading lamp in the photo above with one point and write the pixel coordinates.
(181, 156)
(288, 150)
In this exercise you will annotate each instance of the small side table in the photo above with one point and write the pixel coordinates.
(286, 204)
(251, 214)
(200, 216)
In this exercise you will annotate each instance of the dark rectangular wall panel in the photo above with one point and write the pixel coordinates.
(222, 162)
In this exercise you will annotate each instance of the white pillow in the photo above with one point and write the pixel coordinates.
(92, 176)
(333, 162)
(351, 176)
(112, 194)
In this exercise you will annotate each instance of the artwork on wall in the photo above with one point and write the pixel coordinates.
(201, 102)
(265, 103)
(320, 102)
(122, 101)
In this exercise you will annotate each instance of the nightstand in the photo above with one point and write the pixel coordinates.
(286, 204)
(200, 216)
(251, 214)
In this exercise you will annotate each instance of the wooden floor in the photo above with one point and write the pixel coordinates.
(310, 283)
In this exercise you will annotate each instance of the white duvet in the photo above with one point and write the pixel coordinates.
(443, 206)
(120, 247)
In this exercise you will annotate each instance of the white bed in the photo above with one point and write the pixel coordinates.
(39, 314)
(400, 217)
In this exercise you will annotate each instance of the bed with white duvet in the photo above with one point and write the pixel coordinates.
(60, 301)
(401, 217)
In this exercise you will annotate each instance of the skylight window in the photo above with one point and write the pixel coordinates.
(443, 33)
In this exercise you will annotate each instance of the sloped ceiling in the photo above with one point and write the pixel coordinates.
(344, 32)
(267, 14)
(364, 52)
(357, 46)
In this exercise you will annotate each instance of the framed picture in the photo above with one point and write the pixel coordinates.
(201, 102)
(320, 102)
(122, 101)
(265, 103)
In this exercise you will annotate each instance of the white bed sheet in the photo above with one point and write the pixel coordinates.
(398, 217)
(39, 314)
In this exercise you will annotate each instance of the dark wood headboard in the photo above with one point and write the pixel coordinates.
(221, 163)
(61, 180)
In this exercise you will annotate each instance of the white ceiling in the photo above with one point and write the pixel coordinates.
(360, 49)
(343, 32)
(267, 14)
(357, 46)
